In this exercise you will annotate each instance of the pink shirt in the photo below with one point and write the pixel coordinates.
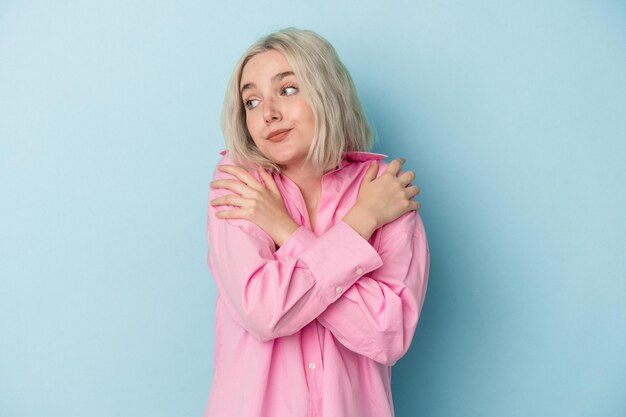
(313, 328)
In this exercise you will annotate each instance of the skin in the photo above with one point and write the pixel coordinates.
(273, 102)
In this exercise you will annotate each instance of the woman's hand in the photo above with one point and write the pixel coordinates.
(382, 200)
(262, 204)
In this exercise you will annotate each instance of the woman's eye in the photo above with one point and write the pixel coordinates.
(290, 90)
(252, 103)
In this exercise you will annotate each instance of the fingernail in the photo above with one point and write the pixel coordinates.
(402, 160)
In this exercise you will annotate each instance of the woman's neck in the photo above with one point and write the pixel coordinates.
(309, 181)
(306, 177)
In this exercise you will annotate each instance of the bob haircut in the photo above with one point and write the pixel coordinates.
(341, 125)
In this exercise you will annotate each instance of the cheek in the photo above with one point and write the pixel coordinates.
(252, 125)
(306, 115)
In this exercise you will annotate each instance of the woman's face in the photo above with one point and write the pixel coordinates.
(279, 119)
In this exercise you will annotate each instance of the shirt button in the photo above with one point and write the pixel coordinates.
(312, 365)
(338, 290)
(359, 271)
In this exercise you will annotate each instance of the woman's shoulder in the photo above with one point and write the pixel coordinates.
(359, 161)
(364, 157)
(224, 160)
(227, 160)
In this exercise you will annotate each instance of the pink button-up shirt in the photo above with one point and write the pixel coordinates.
(312, 329)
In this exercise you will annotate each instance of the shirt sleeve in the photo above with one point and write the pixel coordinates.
(273, 296)
(377, 316)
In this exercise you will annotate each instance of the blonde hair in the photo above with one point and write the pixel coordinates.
(341, 125)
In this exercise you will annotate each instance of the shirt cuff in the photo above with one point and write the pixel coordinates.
(298, 241)
(338, 258)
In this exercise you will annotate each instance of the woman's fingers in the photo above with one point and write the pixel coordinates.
(412, 191)
(395, 165)
(242, 174)
(258, 201)
(230, 200)
(235, 186)
(268, 180)
(372, 170)
(406, 177)
(232, 214)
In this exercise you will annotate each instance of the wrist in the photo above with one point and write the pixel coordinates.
(362, 221)
(282, 231)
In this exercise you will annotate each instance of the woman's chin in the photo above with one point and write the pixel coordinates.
(283, 159)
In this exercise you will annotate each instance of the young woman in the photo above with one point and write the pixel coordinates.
(316, 247)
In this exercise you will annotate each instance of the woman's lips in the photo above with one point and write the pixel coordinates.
(278, 135)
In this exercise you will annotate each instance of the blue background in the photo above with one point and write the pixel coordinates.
(512, 114)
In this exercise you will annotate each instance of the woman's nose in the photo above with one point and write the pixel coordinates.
(271, 112)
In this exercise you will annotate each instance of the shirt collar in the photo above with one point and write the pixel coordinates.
(351, 157)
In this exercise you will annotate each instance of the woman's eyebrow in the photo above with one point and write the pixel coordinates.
(281, 75)
(277, 77)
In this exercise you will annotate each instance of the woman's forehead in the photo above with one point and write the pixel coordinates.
(266, 66)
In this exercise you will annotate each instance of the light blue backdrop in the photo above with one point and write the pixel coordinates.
(512, 114)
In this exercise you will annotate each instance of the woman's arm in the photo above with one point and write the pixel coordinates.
(274, 294)
(381, 199)
(377, 316)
